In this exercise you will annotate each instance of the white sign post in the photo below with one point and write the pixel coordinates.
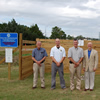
(8, 59)
(8, 55)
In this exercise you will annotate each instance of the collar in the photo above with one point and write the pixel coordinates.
(38, 49)
(89, 50)
(57, 47)
(76, 48)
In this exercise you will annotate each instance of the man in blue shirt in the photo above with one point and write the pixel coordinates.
(90, 63)
(38, 56)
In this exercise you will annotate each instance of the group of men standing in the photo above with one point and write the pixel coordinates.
(76, 56)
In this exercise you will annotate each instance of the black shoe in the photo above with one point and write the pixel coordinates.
(64, 88)
(43, 87)
(86, 89)
(34, 87)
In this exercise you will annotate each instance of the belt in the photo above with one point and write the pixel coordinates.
(71, 62)
(55, 63)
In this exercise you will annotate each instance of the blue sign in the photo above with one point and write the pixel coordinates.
(8, 40)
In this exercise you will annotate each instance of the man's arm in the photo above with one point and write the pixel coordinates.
(42, 59)
(96, 61)
(64, 55)
(52, 56)
(82, 56)
(62, 60)
(84, 63)
(34, 59)
(76, 63)
(81, 59)
(54, 60)
(38, 62)
(72, 60)
(59, 63)
(70, 56)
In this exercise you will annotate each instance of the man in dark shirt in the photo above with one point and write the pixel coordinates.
(38, 56)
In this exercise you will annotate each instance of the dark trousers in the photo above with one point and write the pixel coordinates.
(61, 74)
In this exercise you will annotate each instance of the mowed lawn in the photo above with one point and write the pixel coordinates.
(16, 89)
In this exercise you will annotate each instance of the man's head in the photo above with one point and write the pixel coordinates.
(38, 44)
(75, 42)
(89, 45)
(57, 41)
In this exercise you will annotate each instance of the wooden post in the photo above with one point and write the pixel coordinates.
(37, 39)
(20, 56)
(25, 45)
(9, 71)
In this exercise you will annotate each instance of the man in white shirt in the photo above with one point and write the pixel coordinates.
(57, 55)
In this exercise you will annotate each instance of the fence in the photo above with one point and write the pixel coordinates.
(25, 58)
(25, 54)
(49, 43)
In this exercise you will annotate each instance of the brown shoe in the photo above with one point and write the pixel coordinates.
(86, 89)
(43, 87)
(34, 87)
(91, 89)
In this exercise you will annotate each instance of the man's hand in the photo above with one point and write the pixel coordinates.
(94, 69)
(39, 63)
(76, 65)
(58, 64)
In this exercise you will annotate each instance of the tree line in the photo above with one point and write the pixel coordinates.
(33, 32)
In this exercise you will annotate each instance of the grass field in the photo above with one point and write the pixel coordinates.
(16, 89)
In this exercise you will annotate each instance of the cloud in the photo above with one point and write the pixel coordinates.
(75, 17)
(95, 4)
(74, 12)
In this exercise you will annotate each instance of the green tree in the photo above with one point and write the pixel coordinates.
(57, 33)
(29, 33)
(12, 26)
(35, 32)
(70, 37)
(80, 37)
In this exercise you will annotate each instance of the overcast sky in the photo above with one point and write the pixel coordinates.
(74, 17)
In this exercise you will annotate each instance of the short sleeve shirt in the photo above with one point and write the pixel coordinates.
(38, 54)
(75, 53)
(58, 54)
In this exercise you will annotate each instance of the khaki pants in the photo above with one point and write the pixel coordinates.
(41, 68)
(78, 75)
(89, 80)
